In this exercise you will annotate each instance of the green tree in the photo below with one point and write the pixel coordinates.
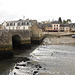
(69, 20)
(64, 21)
(60, 20)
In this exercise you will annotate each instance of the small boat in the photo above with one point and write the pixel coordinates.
(73, 36)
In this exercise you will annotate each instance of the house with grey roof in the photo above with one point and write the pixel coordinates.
(62, 27)
(18, 25)
(65, 27)
(72, 27)
(56, 25)
(48, 28)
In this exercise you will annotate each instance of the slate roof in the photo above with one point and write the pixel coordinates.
(65, 25)
(72, 24)
(41, 25)
(49, 25)
(21, 21)
(55, 22)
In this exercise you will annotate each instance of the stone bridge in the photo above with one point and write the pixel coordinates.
(13, 38)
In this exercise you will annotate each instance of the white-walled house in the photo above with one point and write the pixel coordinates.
(18, 25)
(56, 25)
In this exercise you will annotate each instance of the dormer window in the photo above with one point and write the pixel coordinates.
(7, 24)
(22, 23)
(10, 24)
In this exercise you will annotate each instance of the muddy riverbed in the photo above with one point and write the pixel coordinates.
(56, 57)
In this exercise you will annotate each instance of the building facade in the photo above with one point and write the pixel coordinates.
(73, 27)
(56, 26)
(17, 25)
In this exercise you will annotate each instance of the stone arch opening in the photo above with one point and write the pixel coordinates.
(16, 42)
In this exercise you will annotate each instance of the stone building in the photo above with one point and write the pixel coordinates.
(36, 31)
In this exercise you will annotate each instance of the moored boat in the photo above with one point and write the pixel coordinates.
(73, 36)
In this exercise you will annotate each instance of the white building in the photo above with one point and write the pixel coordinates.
(18, 25)
(56, 25)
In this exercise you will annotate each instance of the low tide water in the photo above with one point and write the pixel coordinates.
(55, 59)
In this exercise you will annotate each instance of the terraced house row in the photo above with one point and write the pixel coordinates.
(55, 26)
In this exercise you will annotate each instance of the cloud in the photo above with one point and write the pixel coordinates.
(36, 9)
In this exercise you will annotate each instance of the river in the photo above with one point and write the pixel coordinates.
(56, 58)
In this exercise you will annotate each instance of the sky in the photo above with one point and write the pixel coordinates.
(40, 10)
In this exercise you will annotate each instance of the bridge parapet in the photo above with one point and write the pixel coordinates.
(6, 38)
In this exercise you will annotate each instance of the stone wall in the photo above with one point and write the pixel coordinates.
(6, 38)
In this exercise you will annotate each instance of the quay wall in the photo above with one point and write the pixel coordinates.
(6, 42)
(37, 40)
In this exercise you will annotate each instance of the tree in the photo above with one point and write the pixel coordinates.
(69, 20)
(64, 21)
(60, 20)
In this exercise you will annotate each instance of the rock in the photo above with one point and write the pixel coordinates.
(16, 67)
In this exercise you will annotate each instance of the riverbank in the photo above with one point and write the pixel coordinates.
(20, 55)
(59, 40)
(48, 60)
(52, 56)
(56, 59)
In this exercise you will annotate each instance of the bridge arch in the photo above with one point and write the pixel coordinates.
(16, 42)
(8, 38)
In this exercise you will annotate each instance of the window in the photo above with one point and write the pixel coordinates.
(23, 27)
(14, 24)
(73, 25)
(9, 27)
(13, 28)
(66, 28)
(18, 23)
(7, 24)
(22, 23)
(56, 28)
(27, 23)
(16, 28)
(10, 24)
